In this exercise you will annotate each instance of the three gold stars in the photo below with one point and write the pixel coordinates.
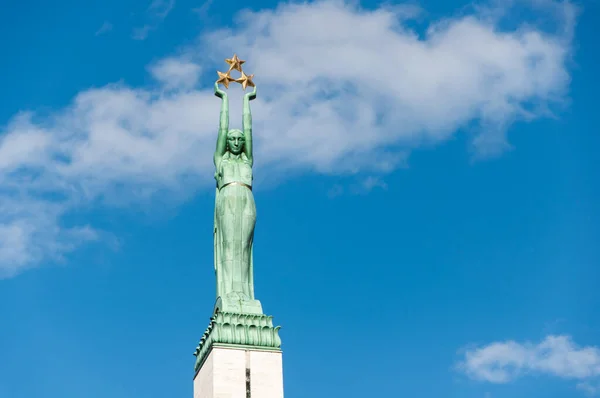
(235, 63)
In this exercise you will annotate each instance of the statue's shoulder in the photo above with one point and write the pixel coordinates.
(225, 158)
(245, 159)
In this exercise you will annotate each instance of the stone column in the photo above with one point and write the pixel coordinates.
(230, 372)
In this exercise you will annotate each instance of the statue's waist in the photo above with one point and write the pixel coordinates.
(236, 183)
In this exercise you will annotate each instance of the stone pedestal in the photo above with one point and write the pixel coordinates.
(230, 372)
(239, 356)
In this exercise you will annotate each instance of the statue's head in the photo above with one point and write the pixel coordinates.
(235, 141)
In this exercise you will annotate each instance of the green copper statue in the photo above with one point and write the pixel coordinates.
(238, 319)
(235, 212)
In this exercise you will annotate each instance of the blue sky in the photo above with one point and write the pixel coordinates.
(426, 184)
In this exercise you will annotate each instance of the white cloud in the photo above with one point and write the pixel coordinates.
(589, 388)
(370, 82)
(502, 362)
(372, 182)
(341, 90)
(157, 11)
(361, 187)
(142, 32)
(161, 8)
(176, 73)
(202, 10)
(106, 27)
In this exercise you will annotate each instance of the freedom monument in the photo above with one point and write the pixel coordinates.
(239, 354)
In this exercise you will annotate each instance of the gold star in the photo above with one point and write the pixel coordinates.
(225, 79)
(235, 63)
(245, 80)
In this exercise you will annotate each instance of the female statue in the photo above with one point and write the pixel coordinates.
(235, 211)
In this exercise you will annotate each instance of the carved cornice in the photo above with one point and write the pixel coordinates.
(244, 330)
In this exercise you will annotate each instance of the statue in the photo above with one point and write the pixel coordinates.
(235, 210)
(237, 319)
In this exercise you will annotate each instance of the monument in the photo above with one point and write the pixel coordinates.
(239, 354)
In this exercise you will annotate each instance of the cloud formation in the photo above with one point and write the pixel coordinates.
(176, 73)
(503, 362)
(155, 14)
(354, 93)
(106, 27)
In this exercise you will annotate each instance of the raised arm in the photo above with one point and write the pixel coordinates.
(247, 125)
(223, 125)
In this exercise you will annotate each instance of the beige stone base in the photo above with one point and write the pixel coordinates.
(228, 371)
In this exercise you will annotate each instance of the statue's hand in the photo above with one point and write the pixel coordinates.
(251, 95)
(220, 93)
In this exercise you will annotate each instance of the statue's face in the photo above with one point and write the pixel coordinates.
(235, 141)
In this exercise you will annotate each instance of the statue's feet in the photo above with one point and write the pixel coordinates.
(244, 296)
(238, 296)
(239, 303)
(233, 296)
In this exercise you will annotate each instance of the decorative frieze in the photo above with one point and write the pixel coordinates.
(243, 330)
